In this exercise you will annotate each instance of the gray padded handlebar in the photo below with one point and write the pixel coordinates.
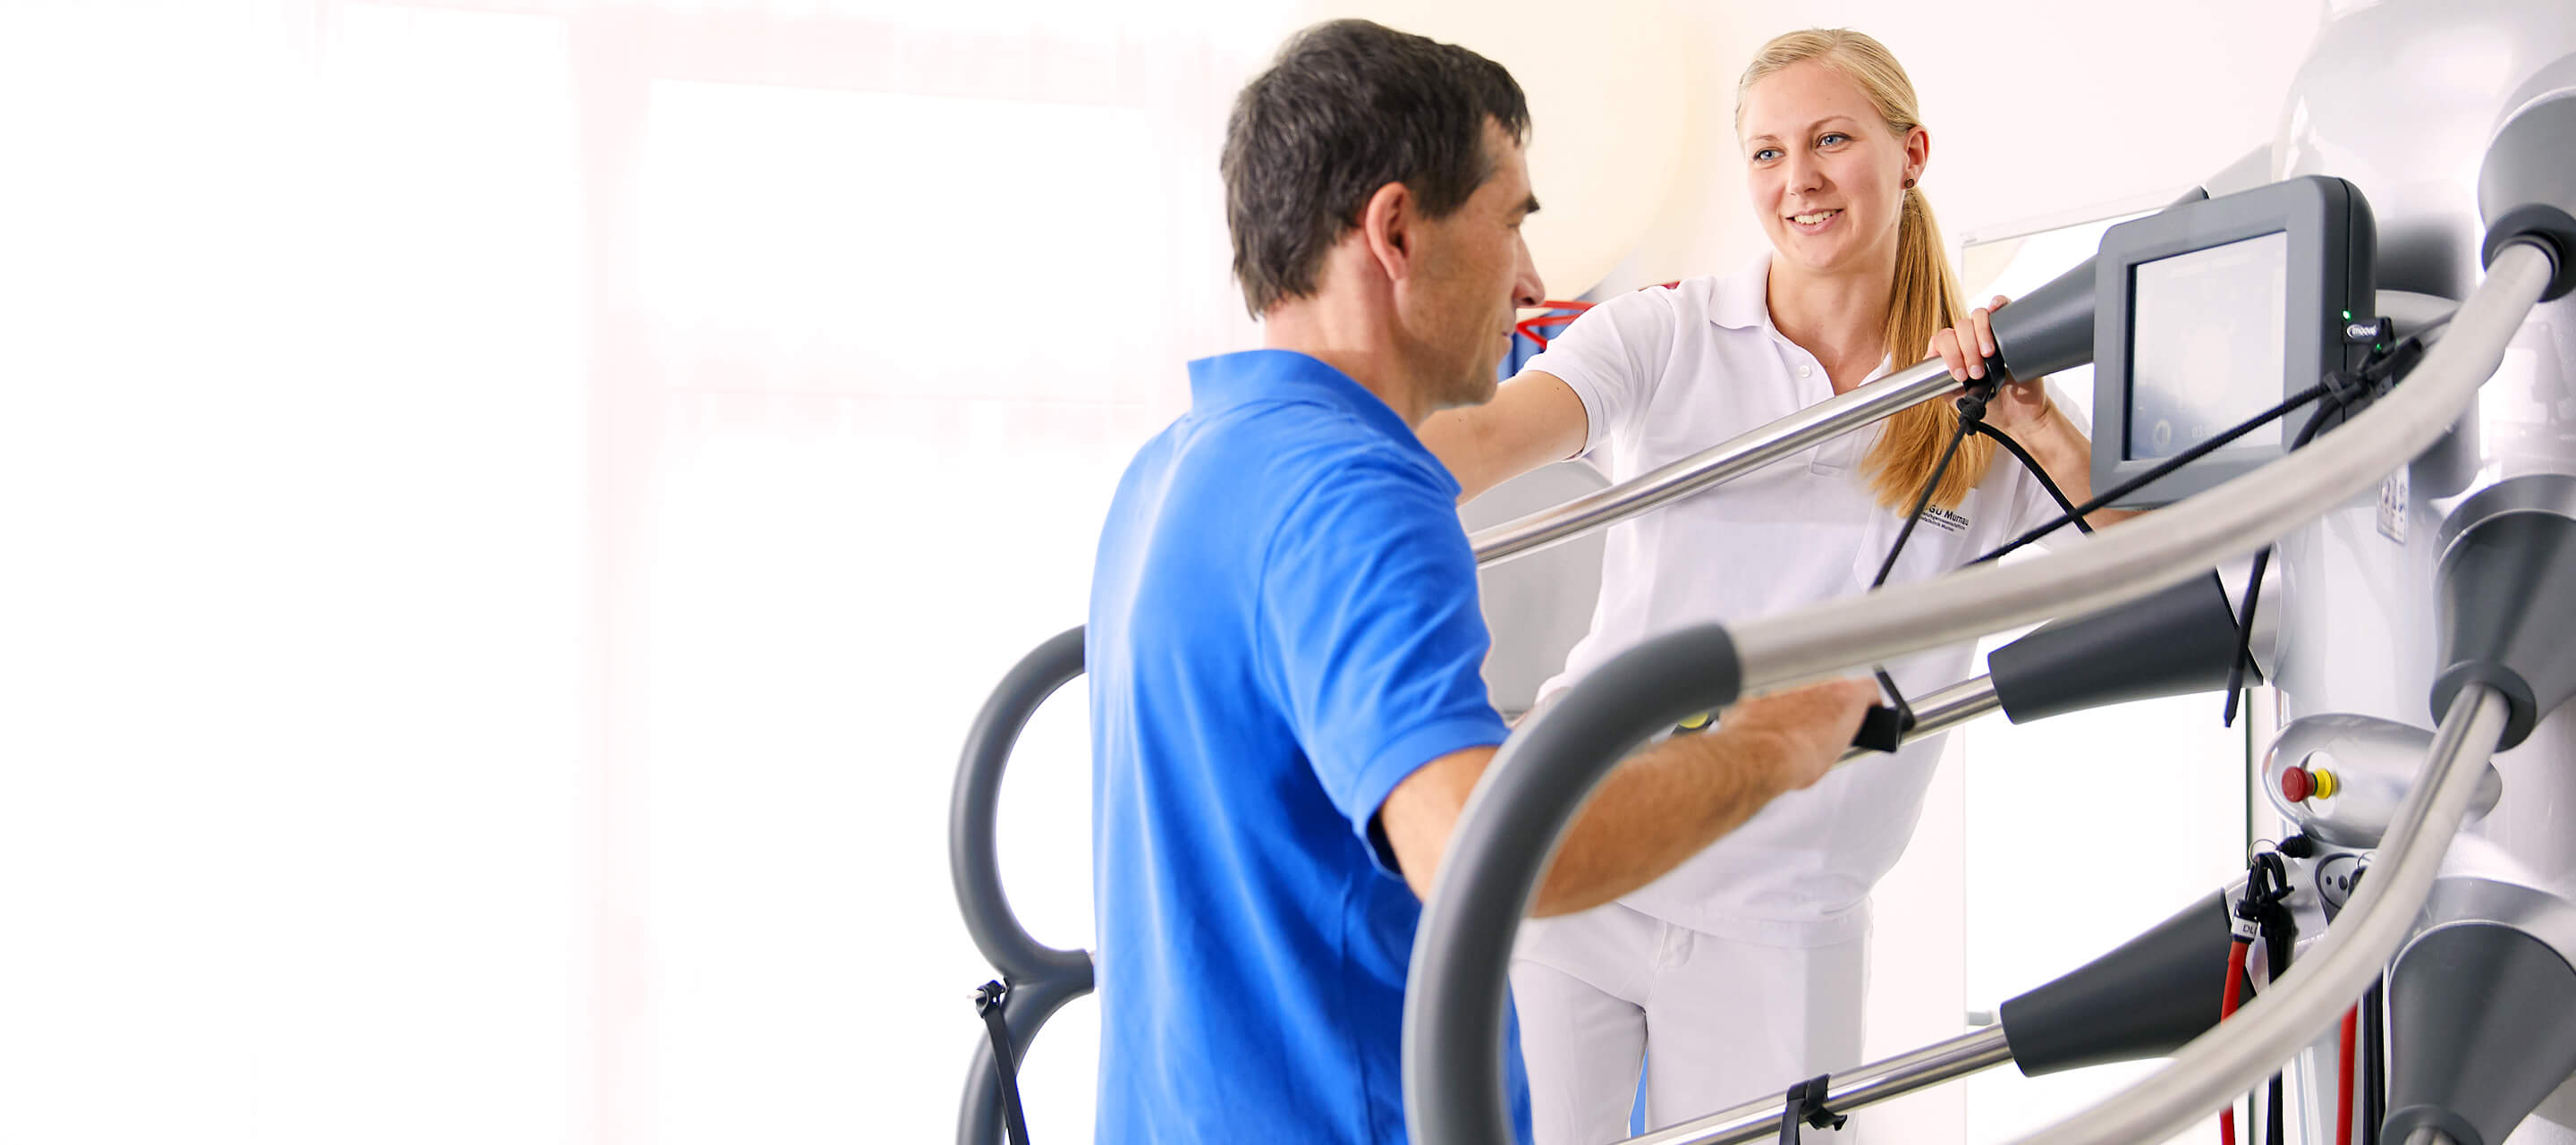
(1042, 978)
(1508, 833)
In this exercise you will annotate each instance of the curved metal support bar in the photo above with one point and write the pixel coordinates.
(1940, 711)
(1725, 461)
(2283, 1020)
(1042, 978)
(1453, 1010)
(1867, 1085)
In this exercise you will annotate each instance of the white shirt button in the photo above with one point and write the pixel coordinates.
(1806, 371)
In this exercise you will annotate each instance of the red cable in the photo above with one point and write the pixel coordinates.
(1529, 327)
(2226, 1007)
(2343, 1116)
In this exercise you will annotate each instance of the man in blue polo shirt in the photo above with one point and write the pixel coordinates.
(1285, 647)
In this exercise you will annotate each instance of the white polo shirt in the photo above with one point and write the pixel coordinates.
(1663, 374)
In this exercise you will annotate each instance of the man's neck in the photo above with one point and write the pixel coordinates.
(1840, 318)
(1351, 336)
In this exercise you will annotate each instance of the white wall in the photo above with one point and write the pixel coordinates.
(511, 505)
(2036, 107)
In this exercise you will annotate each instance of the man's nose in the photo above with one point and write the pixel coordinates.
(1527, 291)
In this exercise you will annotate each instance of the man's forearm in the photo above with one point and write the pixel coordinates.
(1656, 810)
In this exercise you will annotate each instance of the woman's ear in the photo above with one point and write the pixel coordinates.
(1918, 154)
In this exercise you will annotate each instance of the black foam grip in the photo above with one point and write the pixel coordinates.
(2173, 643)
(2482, 1020)
(2051, 328)
(2048, 329)
(2546, 225)
(2506, 605)
(2143, 1000)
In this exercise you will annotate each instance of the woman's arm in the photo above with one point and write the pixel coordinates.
(2023, 409)
(1534, 420)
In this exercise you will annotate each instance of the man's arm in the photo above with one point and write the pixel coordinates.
(1657, 808)
(1535, 419)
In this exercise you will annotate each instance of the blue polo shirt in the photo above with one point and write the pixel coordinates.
(1283, 626)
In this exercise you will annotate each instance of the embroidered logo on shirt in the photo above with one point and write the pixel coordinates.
(1944, 519)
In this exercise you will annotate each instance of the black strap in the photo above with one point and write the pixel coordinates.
(1806, 1106)
(988, 1002)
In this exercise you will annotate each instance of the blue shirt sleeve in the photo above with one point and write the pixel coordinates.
(1373, 642)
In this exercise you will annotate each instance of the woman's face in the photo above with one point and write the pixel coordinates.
(1826, 173)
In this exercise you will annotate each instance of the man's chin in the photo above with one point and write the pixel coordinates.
(1480, 390)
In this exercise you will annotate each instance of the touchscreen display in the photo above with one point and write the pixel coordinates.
(2207, 338)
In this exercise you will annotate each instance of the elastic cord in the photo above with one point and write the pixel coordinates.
(2038, 472)
(1971, 411)
(2342, 394)
(2244, 637)
(2226, 1009)
(2344, 1089)
(2158, 473)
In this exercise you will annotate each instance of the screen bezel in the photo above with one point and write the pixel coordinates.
(2316, 215)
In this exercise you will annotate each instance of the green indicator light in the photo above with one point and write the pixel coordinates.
(2347, 316)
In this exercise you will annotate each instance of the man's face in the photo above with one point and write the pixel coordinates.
(1475, 272)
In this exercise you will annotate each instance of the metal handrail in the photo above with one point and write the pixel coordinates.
(1940, 711)
(1867, 1085)
(1725, 461)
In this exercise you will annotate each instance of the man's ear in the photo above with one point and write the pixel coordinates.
(1387, 229)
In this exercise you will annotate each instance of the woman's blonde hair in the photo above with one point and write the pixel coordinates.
(1925, 298)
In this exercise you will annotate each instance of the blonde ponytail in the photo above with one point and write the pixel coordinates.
(1924, 300)
(1925, 297)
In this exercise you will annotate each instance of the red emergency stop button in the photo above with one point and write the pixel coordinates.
(2301, 784)
(2296, 786)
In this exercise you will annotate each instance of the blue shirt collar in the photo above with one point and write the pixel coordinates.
(1251, 376)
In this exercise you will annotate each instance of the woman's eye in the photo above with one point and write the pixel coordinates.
(1766, 154)
(1832, 137)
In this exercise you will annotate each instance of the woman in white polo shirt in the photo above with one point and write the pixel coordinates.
(1743, 970)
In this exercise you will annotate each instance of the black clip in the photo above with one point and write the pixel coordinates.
(1883, 728)
(2267, 883)
(1980, 391)
(1806, 1106)
(989, 1000)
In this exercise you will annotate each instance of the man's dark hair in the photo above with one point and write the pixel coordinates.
(1348, 107)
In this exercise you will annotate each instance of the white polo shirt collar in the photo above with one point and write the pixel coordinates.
(1742, 300)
